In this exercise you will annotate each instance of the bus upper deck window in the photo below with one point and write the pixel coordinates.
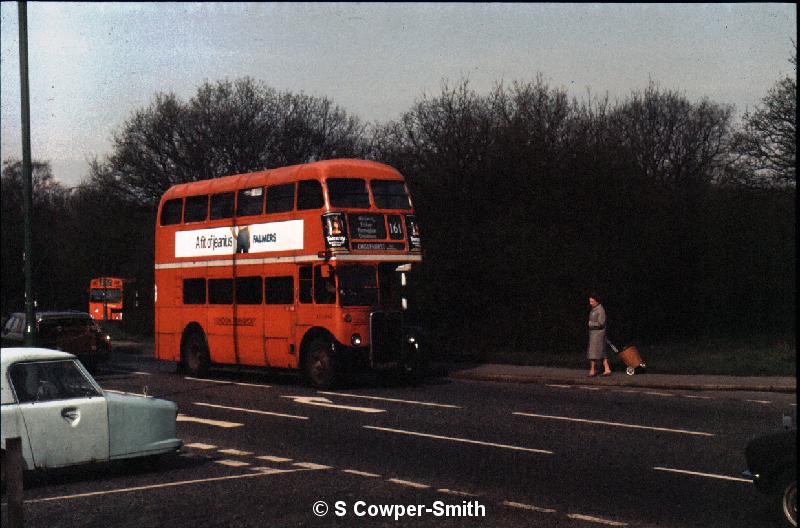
(196, 209)
(348, 192)
(309, 195)
(171, 212)
(280, 198)
(222, 206)
(390, 194)
(250, 202)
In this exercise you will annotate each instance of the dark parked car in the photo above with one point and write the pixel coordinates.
(70, 331)
(772, 464)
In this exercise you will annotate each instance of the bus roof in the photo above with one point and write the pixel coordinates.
(317, 169)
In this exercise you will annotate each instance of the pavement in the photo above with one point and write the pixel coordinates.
(642, 378)
(567, 376)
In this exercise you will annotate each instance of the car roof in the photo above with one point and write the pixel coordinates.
(17, 354)
(53, 315)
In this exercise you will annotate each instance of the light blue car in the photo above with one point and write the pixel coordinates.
(63, 417)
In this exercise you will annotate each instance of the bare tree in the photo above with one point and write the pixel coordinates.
(226, 128)
(767, 142)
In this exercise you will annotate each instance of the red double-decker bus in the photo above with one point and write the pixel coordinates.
(106, 298)
(302, 267)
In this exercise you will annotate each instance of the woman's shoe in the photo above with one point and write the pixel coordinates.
(592, 374)
(608, 373)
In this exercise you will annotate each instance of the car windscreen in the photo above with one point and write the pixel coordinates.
(358, 285)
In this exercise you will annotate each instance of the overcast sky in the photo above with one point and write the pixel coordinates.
(93, 64)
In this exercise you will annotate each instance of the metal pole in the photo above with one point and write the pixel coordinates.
(12, 461)
(27, 177)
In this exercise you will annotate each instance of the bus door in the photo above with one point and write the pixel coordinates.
(249, 321)
(279, 321)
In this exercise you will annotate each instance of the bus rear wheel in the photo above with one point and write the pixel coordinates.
(194, 355)
(320, 368)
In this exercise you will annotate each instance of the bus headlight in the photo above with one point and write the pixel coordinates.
(355, 339)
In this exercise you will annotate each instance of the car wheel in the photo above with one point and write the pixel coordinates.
(787, 498)
(195, 355)
(319, 364)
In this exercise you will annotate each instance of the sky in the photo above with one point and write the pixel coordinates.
(93, 64)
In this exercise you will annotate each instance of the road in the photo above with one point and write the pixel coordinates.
(262, 450)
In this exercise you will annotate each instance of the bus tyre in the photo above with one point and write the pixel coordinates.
(319, 364)
(194, 355)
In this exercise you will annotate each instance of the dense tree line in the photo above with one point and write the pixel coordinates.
(528, 200)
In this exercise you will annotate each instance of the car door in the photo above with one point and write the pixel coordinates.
(64, 412)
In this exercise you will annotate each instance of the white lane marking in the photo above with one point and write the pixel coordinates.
(529, 507)
(765, 402)
(235, 452)
(253, 411)
(270, 458)
(223, 382)
(201, 446)
(653, 393)
(141, 373)
(380, 398)
(455, 492)
(598, 520)
(584, 387)
(360, 473)
(232, 463)
(697, 397)
(463, 440)
(205, 421)
(615, 424)
(166, 485)
(319, 401)
(699, 474)
(559, 386)
(409, 484)
(310, 465)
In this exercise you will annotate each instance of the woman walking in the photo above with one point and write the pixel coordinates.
(597, 338)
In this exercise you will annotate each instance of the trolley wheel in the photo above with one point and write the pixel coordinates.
(643, 365)
(630, 371)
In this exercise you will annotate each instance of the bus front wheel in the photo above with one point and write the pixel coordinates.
(320, 367)
(195, 355)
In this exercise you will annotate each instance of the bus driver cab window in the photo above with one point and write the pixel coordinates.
(324, 286)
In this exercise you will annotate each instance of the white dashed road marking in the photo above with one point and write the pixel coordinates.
(615, 424)
(205, 421)
(360, 473)
(309, 465)
(201, 446)
(598, 520)
(252, 411)
(232, 463)
(166, 485)
(529, 507)
(235, 452)
(270, 458)
(707, 475)
(462, 440)
(380, 398)
(408, 483)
